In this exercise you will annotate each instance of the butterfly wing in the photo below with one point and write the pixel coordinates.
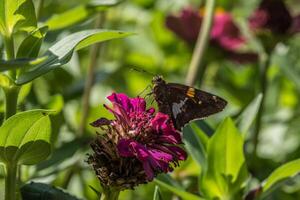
(183, 103)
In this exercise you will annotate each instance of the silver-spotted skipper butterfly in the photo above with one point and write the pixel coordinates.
(183, 103)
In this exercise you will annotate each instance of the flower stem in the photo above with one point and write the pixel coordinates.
(264, 87)
(10, 181)
(95, 50)
(201, 44)
(110, 194)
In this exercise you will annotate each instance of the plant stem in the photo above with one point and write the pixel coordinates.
(11, 100)
(109, 194)
(10, 52)
(9, 46)
(201, 44)
(95, 50)
(264, 87)
(10, 181)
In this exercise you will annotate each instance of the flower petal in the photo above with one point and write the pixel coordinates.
(101, 122)
(124, 148)
(159, 121)
(138, 104)
(122, 99)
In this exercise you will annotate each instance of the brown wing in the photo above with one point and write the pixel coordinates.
(185, 103)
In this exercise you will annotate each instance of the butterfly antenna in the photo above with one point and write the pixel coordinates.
(142, 71)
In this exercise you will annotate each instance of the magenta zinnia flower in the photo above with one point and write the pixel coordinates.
(136, 135)
(225, 35)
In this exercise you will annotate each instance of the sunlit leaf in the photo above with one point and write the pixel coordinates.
(78, 14)
(16, 15)
(247, 117)
(24, 92)
(25, 138)
(179, 192)
(283, 172)
(157, 194)
(61, 52)
(30, 46)
(226, 170)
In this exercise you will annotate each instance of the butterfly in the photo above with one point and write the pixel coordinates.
(183, 103)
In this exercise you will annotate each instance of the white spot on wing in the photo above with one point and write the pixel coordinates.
(176, 107)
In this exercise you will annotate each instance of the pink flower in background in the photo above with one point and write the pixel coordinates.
(225, 34)
(274, 16)
(138, 135)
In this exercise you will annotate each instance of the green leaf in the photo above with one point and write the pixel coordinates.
(61, 52)
(226, 171)
(31, 45)
(24, 92)
(16, 15)
(157, 195)
(25, 138)
(247, 117)
(195, 143)
(63, 153)
(20, 63)
(44, 191)
(179, 192)
(288, 170)
(78, 14)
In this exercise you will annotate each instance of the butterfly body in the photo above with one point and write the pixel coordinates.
(183, 103)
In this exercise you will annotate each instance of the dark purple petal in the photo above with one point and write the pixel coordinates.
(101, 122)
(272, 15)
(180, 153)
(124, 148)
(242, 57)
(186, 25)
(296, 24)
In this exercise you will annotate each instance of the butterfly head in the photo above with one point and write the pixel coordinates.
(157, 80)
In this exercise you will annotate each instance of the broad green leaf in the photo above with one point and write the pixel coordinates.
(20, 63)
(283, 172)
(16, 15)
(31, 45)
(226, 171)
(201, 124)
(44, 191)
(247, 117)
(25, 138)
(63, 153)
(61, 52)
(195, 143)
(157, 195)
(179, 192)
(78, 14)
(24, 92)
